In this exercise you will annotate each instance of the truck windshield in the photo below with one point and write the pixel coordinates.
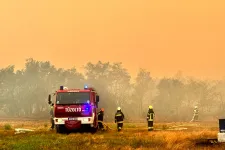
(73, 98)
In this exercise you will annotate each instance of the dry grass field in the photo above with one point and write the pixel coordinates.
(134, 136)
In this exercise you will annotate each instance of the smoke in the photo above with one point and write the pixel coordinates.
(24, 92)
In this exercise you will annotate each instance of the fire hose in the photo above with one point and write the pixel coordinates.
(107, 127)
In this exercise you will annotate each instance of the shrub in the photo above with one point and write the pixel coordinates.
(7, 127)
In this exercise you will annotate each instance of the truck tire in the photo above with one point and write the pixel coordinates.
(60, 129)
(94, 130)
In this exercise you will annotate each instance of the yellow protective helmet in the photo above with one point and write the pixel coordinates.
(118, 108)
(150, 107)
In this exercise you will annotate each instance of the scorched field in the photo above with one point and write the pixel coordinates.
(134, 136)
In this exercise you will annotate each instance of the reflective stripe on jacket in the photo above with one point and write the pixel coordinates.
(119, 116)
(195, 111)
(150, 115)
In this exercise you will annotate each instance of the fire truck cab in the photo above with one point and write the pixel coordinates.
(74, 109)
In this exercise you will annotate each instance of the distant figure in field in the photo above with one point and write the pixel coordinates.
(195, 116)
(52, 115)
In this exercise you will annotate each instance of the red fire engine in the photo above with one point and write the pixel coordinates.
(75, 109)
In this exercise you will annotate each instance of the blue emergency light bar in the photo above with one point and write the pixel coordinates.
(85, 87)
(87, 108)
(61, 87)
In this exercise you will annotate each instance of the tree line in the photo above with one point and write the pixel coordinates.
(24, 93)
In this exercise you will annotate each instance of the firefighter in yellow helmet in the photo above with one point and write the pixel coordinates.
(119, 117)
(150, 118)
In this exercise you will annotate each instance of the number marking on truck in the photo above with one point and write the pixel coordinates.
(73, 91)
(72, 118)
(73, 109)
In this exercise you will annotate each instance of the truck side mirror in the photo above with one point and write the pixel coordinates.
(97, 98)
(49, 99)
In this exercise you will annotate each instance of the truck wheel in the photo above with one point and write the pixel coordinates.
(59, 128)
(94, 130)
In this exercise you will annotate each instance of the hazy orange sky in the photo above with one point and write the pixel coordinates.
(162, 36)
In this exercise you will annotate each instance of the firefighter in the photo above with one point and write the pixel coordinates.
(150, 118)
(119, 116)
(52, 116)
(195, 116)
(100, 119)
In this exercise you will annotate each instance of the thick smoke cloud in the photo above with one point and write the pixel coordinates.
(24, 92)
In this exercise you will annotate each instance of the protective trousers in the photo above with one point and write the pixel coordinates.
(52, 122)
(100, 125)
(150, 125)
(119, 126)
(195, 117)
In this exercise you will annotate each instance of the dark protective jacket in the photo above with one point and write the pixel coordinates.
(119, 116)
(150, 115)
(100, 115)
